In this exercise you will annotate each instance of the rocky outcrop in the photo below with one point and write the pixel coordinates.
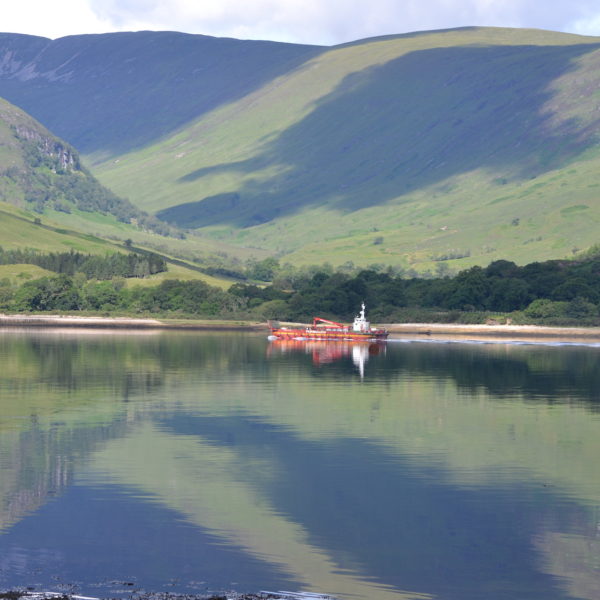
(50, 146)
(27, 130)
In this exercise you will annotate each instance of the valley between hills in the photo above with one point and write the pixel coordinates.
(427, 152)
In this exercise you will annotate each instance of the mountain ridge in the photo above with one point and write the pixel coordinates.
(147, 72)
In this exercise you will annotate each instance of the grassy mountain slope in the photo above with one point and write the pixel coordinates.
(18, 230)
(476, 143)
(112, 92)
(42, 172)
(41, 179)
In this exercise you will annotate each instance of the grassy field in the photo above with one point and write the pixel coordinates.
(468, 145)
(18, 230)
(18, 274)
(181, 273)
(202, 248)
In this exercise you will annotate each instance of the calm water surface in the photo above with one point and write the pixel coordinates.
(199, 462)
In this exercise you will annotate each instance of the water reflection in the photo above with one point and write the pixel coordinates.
(575, 558)
(326, 352)
(503, 370)
(209, 488)
(453, 472)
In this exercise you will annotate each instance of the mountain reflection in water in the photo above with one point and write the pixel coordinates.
(188, 462)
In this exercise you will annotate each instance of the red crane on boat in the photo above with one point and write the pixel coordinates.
(317, 320)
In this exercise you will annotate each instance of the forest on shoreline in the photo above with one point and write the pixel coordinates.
(556, 292)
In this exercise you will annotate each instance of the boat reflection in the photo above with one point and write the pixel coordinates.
(326, 352)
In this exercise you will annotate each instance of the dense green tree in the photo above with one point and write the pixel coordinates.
(48, 293)
(574, 287)
(507, 294)
(542, 278)
(502, 269)
(275, 309)
(471, 290)
(264, 270)
(544, 308)
(100, 295)
(580, 308)
(7, 294)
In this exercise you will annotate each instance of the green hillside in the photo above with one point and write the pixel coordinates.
(19, 230)
(43, 173)
(457, 146)
(444, 148)
(49, 202)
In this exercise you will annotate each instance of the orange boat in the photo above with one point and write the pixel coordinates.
(323, 329)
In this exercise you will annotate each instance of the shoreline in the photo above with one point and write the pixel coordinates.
(29, 593)
(494, 332)
(80, 322)
(418, 330)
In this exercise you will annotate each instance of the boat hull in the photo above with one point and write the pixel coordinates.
(329, 335)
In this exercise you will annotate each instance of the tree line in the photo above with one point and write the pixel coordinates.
(91, 265)
(551, 292)
(65, 293)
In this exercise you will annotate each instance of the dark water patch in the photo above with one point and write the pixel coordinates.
(554, 374)
(538, 374)
(93, 537)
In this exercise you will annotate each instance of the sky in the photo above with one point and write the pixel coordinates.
(324, 22)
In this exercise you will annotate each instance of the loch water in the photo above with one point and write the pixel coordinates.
(201, 462)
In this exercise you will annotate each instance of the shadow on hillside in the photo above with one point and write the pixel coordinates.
(134, 87)
(413, 122)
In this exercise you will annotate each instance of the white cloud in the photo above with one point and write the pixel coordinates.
(586, 25)
(52, 19)
(308, 21)
(335, 21)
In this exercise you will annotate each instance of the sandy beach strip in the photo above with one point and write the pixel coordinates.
(397, 330)
(494, 332)
(72, 321)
